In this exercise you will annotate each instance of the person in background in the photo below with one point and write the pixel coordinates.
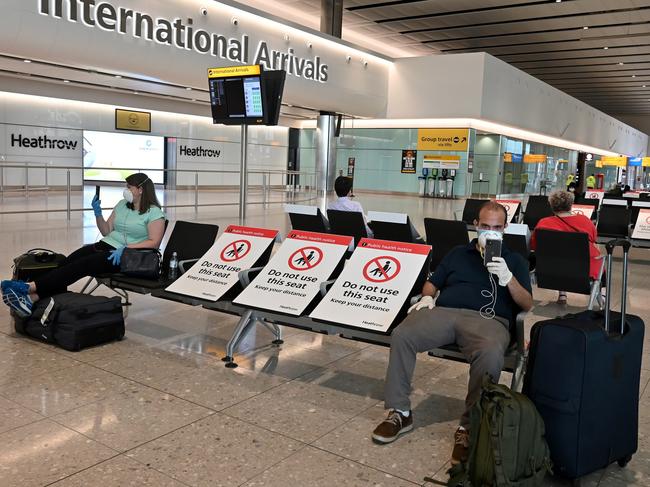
(343, 189)
(591, 181)
(570, 180)
(136, 222)
(464, 314)
(565, 221)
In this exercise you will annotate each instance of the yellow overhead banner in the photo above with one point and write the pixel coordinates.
(443, 139)
(132, 120)
(535, 158)
(234, 71)
(645, 161)
(620, 161)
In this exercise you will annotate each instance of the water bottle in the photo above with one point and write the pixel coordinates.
(173, 266)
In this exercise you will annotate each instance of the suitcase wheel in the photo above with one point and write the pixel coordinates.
(622, 462)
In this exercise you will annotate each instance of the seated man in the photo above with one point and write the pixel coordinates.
(466, 313)
(343, 188)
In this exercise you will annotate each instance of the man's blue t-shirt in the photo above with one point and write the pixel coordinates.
(461, 276)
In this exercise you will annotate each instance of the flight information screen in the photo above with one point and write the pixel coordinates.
(237, 98)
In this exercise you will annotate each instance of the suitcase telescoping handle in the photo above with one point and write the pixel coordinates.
(609, 247)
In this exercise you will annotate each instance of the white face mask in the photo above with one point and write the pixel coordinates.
(484, 235)
(128, 196)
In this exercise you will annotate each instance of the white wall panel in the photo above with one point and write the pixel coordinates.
(33, 117)
(436, 87)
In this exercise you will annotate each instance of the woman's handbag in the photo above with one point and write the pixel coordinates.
(142, 263)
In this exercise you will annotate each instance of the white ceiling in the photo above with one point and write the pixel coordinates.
(595, 50)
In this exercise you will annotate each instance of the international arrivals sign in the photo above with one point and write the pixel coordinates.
(182, 34)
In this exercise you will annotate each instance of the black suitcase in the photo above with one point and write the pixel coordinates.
(74, 321)
(34, 263)
(583, 377)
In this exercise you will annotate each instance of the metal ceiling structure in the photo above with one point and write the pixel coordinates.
(595, 50)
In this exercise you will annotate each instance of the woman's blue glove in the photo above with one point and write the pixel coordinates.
(97, 206)
(116, 255)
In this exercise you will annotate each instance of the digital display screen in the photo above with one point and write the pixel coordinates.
(236, 98)
(128, 153)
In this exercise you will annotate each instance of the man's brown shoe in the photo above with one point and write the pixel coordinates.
(393, 426)
(461, 447)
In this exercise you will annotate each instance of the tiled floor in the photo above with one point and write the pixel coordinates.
(160, 409)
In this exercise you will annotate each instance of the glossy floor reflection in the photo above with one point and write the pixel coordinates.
(160, 408)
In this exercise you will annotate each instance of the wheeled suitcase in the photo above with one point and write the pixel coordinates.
(583, 376)
(34, 263)
(74, 321)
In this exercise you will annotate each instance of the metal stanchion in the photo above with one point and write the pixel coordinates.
(68, 190)
(243, 174)
(196, 193)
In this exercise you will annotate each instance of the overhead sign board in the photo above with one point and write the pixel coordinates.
(535, 158)
(229, 71)
(374, 285)
(510, 157)
(215, 273)
(443, 139)
(620, 161)
(292, 278)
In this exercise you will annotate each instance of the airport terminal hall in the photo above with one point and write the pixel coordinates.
(324, 243)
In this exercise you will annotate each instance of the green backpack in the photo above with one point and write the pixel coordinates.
(506, 445)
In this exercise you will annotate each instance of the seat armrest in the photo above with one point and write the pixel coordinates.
(247, 275)
(325, 286)
(184, 265)
(520, 338)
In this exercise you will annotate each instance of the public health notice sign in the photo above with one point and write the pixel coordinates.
(511, 207)
(292, 278)
(215, 273)
(595, 194)
(585, 210)
(642, 227)
(374, 284)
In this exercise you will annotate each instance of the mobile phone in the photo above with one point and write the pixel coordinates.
(492, 249)
(97, 188)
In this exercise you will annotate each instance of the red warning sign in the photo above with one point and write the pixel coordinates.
(235, 250)
(381, 269)
(305, 258)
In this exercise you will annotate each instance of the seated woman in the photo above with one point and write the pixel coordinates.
(136, 222)
(564, 220)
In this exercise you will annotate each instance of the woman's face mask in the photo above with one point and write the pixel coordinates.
(128, 195)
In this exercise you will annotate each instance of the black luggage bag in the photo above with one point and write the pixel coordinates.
(583, 376)
(74, 321)
(36, 262)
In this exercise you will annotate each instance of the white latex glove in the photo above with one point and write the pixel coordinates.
(499, 268)
(424, 302)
